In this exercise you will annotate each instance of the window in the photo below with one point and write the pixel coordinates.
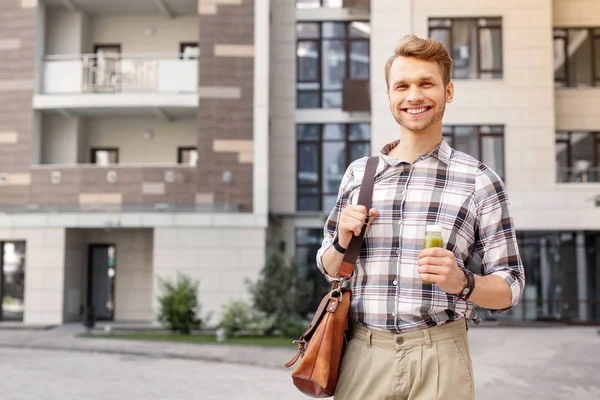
(187, 155)
(577, 156)
(327, 53)
(189, 51)
(485, 143)
(324, 152)
(105, 156)
(308, 242)
(577, 57)
(12, 280)
(319, 3)
(474, 43)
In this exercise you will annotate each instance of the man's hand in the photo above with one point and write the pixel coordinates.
(351, 222)
(439, 266)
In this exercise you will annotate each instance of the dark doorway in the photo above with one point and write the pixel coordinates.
(101, 281)
(12, 280)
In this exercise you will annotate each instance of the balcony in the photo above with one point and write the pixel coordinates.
(89, 81)
(578, 174)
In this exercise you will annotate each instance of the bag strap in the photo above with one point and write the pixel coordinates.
(365, 198)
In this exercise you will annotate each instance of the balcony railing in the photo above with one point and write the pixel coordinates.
(578, 175)
(90, 73)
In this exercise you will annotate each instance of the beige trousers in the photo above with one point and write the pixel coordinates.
(429, 364)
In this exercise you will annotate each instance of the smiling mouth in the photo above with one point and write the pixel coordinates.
(417, 111)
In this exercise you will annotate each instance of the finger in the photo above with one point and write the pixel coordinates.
(429, 277)
(351, 214)
(435, 252)
(358, 208)
(433, 260)
(351, 226)
(432, 269)
(373, 213)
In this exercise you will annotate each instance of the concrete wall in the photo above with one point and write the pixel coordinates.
(65, 33)
(221, 258)
(75, 274)
(133, 279)
(130, 32)
(126, 134)
(60, 139)
(574, 13)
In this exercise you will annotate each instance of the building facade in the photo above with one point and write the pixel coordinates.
(141, 138)
(526, 77)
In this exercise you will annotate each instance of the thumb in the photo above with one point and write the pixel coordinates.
(373, 213)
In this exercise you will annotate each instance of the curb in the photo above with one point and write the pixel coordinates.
(165, 354)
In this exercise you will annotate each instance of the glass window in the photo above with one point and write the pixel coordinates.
(12, 280)
(580, 57)
(105, 156)
(577, 156)
(319, 3)
(485, 143)
(335, 52)
(475, 45)
(187, 155)
(576, 57)
(324, 153)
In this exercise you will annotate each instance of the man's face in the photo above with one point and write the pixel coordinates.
(416, 93)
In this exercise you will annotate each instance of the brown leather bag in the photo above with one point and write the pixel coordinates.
(321, 347)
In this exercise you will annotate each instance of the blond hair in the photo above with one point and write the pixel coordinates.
(423, 49)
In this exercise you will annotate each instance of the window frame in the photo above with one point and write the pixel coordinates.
(93, 151)
(348, 40)
(569, 142)
(480, 136)
(319, 142)
(480, 71)
(560, 83)
(181, 150)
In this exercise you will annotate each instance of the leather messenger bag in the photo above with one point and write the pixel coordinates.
(321, 347)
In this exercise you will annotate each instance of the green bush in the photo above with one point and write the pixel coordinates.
(179, 305)
(239, 317)
(294, 327)
(279, 291)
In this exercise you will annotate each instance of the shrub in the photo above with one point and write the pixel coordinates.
(279, 291)
(239, 317)
(179, 305)
(294, 327)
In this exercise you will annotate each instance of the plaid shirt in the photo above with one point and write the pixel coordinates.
(445, 187)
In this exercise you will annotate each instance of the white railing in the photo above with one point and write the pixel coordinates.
(126, 73)
(578, 175)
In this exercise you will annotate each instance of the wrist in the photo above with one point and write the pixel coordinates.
(338, 247)
(468, 283)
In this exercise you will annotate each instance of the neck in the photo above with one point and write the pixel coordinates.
(417, 143)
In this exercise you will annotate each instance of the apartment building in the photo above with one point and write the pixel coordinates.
(139, 138)
(526, 78)
(132, 145)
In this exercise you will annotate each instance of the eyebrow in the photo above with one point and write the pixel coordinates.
(420, 79)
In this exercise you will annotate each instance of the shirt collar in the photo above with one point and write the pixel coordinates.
(442, 152)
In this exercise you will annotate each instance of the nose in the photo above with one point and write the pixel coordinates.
(414, 94)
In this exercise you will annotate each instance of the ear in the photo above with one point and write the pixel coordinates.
(449, 92)
(387, 93)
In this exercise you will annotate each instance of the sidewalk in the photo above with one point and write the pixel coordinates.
(65, 338)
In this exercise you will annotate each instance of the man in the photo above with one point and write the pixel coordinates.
(409, 338)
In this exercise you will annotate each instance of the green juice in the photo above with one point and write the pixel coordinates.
(433, 238)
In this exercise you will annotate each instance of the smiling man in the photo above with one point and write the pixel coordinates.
(409, 338)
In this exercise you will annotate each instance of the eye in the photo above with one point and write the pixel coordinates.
(426, 84)
(401, 87)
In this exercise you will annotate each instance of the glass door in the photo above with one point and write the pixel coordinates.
(12, 280)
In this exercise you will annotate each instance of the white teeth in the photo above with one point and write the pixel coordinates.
(416, 110)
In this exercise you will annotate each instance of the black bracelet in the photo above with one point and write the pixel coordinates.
(337, 246)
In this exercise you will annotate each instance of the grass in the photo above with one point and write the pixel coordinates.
(271, 341)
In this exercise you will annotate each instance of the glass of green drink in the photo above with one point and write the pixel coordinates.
(433, 238)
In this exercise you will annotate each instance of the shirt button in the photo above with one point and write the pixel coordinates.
(395, 282)
(400, 221)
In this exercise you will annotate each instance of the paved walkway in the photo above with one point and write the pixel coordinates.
(509, 362)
